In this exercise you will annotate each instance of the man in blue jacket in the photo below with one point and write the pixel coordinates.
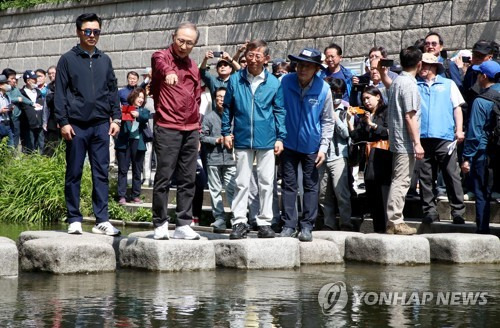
(309, 122)
(254, 104)
(86, 100)
(481, 125)
(334, 70)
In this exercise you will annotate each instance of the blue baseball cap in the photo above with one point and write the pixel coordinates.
(489, 68)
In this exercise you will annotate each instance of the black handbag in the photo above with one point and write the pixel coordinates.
(147, 133)
(379, 166)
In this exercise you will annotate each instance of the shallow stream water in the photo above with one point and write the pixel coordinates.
(268, 298)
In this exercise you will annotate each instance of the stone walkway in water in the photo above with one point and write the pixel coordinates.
(60, 253)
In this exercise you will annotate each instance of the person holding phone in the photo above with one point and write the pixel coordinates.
(225, 67)
(131, 147)
(373, 128)
(5, 109)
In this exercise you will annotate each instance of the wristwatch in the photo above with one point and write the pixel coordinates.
(118, 122)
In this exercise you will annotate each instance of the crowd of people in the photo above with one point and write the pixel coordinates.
(427, 125)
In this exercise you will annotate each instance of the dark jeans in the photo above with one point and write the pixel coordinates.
(52, 140)
(16, 130)
(34, 140)
(95, 141)
(289, 164)
(124, 157)
(175, 151)
(479, 177)
(436, 155)
(200, 182)
(6, 131)
(495, 164)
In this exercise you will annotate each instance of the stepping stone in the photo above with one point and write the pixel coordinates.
(464, 248)
(258, 253)
(320, 251)
(9, 258)
(70, 254)
(140, 250)
(30, 235)
(338, 237)
(388, 249)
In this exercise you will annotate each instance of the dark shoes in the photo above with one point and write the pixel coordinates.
(430, 219)
(346, 226)
(305, 235)
(265, 232)
(288, 232)
(458, 220)
(239, 231)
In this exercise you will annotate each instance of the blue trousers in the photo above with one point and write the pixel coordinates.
(95, 141)
(289, 164)
(479, 177)
(6, 131)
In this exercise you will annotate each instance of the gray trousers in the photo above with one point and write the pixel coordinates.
(221, 177)
(334, 182)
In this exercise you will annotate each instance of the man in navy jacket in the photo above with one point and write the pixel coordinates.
(86, 100)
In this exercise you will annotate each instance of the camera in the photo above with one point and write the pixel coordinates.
(217, 53)
(465, 59)
(387, 62)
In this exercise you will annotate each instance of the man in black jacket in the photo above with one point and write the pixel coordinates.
(86, 101)
(31, 115)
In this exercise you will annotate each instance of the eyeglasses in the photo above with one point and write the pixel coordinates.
(252, 55)
(243, 61)
(89, 32)
(433, 43)
(187, 43)
(222, 64)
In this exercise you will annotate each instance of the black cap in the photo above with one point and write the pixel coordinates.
(483, 47)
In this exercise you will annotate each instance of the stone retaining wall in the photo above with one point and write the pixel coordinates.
(133, 30)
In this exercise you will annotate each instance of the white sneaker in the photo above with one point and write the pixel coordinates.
(161, 232)
(105, 228)
(185, 232)
(469, 196)
(75, 228)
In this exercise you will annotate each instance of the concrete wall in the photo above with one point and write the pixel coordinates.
(133, 30)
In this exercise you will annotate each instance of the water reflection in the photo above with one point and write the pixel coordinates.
(231, 298)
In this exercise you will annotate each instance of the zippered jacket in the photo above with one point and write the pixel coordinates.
(259, 119)
(177, 106)
(86, 89)
(309, 116)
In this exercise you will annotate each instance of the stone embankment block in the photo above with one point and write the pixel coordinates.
(388, 249)
(30, 235)
(8, 258)
(140, 250)
(320, 251)
(464, 248)
(258, 253)
(70, 254)
(338, 237)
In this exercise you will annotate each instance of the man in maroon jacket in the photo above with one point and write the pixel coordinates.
(176, 92)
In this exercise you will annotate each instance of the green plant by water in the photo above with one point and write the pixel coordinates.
(32, 189)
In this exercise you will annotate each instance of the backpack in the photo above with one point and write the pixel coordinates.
(353, 149)
(446, 65)
(494, 97)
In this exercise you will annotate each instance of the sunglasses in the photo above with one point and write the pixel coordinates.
(433, 43)
(89, 32)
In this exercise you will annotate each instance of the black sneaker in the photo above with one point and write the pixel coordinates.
(305, 235)
(288, 232)
(239, 231)
(458, 220)
(265, 232)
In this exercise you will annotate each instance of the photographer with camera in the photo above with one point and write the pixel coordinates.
(225, 67)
